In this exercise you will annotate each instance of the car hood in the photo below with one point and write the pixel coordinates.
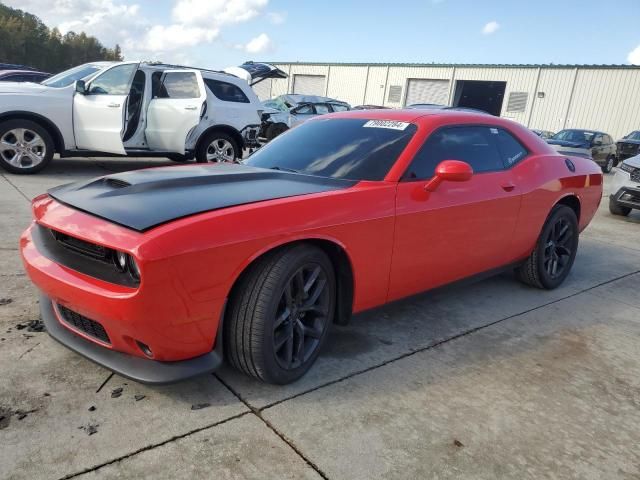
(144, 199)
(628, 140)
(633, 161)
(21, 87)
(565, 143)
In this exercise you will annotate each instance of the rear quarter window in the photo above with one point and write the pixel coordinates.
(225, 91)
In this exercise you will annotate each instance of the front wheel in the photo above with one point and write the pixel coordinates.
(218, 147)
(616, 209)
(608, 166)
(25, 146)
(280, 314)
(554, 253)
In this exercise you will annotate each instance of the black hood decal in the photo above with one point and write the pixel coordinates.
(144, 199)
(568, 143)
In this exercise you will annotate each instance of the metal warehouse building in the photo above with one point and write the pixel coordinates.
(547, 97)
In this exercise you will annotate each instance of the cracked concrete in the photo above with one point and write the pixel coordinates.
(491, 380)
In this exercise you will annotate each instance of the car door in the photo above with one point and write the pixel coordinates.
(98, 113)
(461, 228)
(177, 106)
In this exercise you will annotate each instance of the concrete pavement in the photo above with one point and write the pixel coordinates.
(491, 380)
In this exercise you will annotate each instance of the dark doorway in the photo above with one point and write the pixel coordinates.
(486, 96)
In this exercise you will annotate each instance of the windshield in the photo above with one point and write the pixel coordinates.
(574, 136)
(66, 78)
(347, 148)
(634, 135)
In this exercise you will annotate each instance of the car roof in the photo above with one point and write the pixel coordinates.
(299, 98)
(416, 115)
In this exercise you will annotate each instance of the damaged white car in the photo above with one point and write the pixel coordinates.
(130, 108)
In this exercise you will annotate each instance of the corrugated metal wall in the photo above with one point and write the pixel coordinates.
(605, 99)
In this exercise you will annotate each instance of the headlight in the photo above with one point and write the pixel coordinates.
(134, 270)
(125, 263)
(625, 167)
(121, 261)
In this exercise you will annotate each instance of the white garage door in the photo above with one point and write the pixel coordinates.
(309, 84)
(263, 89)
(427, 91)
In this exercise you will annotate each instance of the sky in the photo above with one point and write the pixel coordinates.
(222, 33)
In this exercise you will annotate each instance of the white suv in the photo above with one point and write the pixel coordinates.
(127, 108)
(625, 190)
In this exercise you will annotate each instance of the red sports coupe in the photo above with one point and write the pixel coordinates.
(159, 274)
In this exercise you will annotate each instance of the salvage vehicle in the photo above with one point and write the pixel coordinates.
(625, 189)
(597, 146)
(287, 111)
(127, 108)
(628, 146)
(160, 274)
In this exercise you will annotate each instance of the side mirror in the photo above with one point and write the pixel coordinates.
(81, 87)
(449, 171)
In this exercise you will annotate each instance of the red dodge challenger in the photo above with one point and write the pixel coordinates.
(159, 274)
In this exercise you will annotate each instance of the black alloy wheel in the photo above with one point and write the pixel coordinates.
(280, 313)
(552, 258)
(558, 248)
(301, 317)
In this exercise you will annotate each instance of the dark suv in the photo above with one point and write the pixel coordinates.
(598, 146)
(629, 146)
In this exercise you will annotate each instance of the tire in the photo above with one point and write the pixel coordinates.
(34, 146)
(275, 130)
(538, 270)
(610, 163)
(218, 147)
(616, 209)
(257, 320)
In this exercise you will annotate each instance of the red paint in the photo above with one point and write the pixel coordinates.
(400, 239)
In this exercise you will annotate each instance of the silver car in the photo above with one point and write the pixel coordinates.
(286, 111)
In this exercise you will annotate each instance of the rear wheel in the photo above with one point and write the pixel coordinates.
(554, 254)
(616, 209)
(609, 164)
(280, 314)
(25, 146)
(218, 147)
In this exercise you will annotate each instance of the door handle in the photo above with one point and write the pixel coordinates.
(508, 187)
(113, 105)
(190, 107)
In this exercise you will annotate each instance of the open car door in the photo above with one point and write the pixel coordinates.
(176, 107)
(99, 110)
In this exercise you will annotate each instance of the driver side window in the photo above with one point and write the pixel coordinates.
(472, 144)
(114, 81)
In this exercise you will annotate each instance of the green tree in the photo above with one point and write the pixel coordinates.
(25, 40)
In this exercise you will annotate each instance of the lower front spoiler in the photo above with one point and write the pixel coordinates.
(136, 368)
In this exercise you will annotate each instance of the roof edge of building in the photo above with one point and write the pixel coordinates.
(461, 65)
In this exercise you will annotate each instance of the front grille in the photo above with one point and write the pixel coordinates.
(635, 175)
(84, 324)
(88, 249)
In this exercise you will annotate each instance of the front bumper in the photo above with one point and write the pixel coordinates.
(627, 197)
(136, 368)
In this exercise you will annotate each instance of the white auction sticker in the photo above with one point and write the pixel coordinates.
(392, 124)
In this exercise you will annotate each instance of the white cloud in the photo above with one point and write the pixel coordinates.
(634, 56)
(216, 12)
(491, 27)
(161, 38)
(277, 18)
(260, 44)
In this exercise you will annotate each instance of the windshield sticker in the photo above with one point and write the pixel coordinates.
(494, 131)
(393, 125)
